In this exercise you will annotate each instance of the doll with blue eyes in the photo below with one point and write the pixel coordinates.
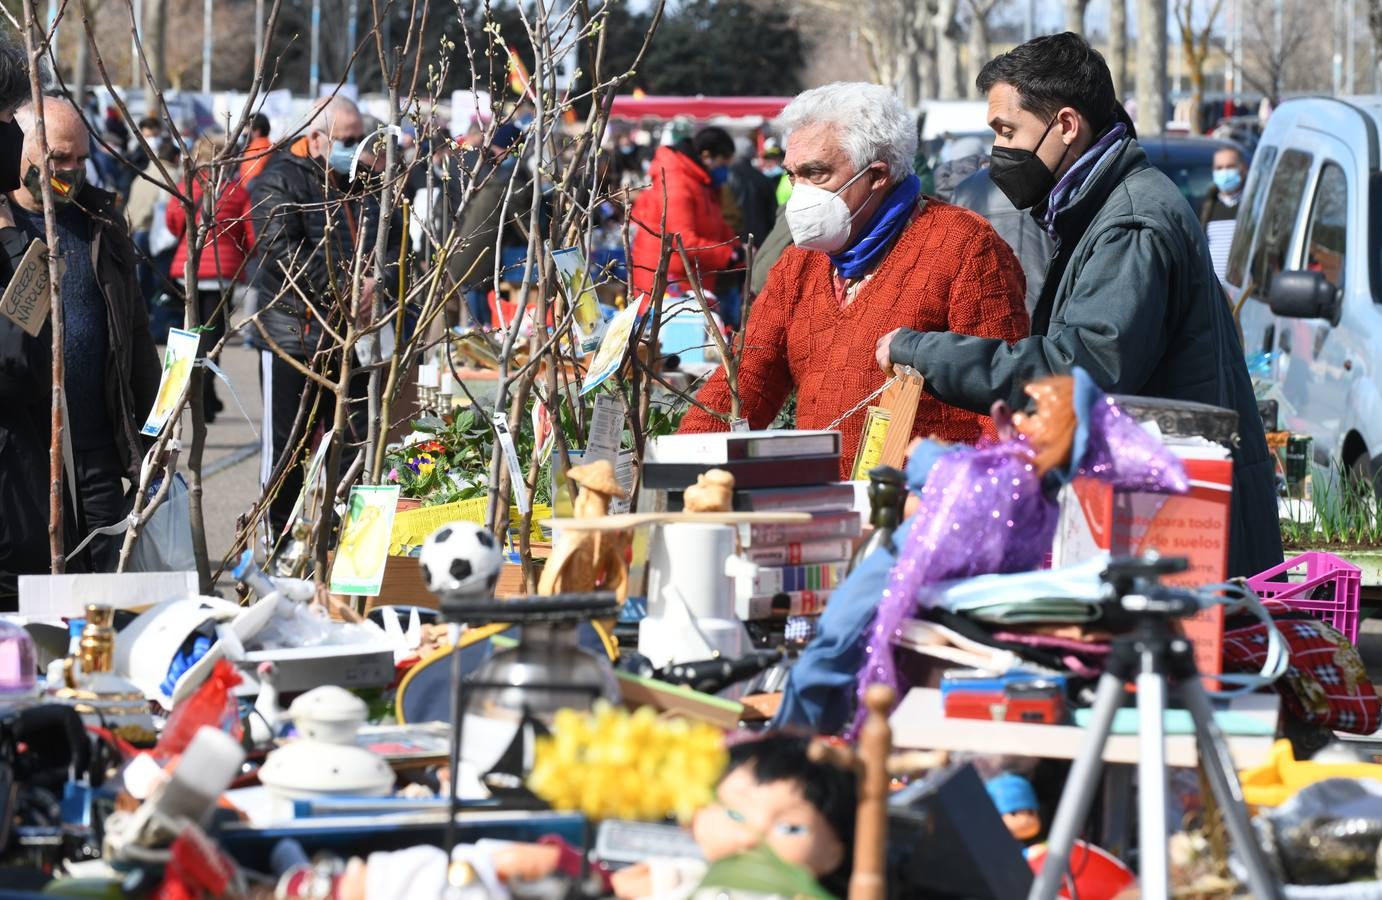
(772, 796)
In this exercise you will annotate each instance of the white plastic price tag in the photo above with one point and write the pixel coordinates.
(606, 430)
(520, 489)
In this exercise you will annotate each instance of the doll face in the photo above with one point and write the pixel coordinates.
(746, 813)
(1050, 429)
(1024, 824)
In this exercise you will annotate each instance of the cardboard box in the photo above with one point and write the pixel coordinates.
(1096, 519)
(60, 596)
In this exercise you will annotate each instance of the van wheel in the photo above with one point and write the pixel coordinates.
(1361, 469)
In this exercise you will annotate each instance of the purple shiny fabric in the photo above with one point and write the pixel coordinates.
(985, 511)
(982, 512)
(1120, 452)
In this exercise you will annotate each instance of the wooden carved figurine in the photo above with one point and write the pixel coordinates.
(871, 761)
(589, 560)
(712, 492)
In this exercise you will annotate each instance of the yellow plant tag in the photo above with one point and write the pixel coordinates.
(871, 444)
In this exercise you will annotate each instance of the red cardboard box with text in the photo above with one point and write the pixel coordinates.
(1095, 519)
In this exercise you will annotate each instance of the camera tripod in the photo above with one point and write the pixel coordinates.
(1154, 658)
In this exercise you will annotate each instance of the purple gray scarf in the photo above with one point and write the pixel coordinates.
(1070, 183)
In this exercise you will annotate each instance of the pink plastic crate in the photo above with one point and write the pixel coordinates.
(1329, 590)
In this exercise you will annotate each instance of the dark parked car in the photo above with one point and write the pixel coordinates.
(1188, 161)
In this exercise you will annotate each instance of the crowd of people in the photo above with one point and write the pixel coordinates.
(1060, 247)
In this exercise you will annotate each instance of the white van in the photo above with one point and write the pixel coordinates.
(1308, 252)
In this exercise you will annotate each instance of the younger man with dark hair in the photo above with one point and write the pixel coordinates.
(258, 149)
(1130, 294)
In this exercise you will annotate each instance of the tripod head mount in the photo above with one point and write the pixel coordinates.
(1131, 574)
(1137, 594)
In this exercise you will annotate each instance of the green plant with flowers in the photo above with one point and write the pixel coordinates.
(447, 458)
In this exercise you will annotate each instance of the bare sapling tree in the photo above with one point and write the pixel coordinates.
(37, 43)
(1195, 39)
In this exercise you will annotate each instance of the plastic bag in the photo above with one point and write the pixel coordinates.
(161, 237)
(213, 705)
(165, 543)
(310, 625)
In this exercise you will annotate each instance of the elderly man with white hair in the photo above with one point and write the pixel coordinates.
(871, 254)
(309, 220)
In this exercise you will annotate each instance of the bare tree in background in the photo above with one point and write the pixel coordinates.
(1375, 26)
(1118, 46)
(1194, 45)
(232, 50)
(1151, 67)
(946, 25)
(911, 46)
(1075, 15)
(980, 11)
(1276, 38)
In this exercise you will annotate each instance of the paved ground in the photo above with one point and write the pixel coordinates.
(231, 460)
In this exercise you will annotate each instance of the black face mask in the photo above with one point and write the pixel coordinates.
(1021, 175)
(11, 152)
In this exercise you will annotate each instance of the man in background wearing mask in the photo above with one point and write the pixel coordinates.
(308, 222)
(1130, 294)
(151, 130)
(495, 214)
(870, 254)
(690, 175)
(1220, 213)
(771, 164)
(110, 362)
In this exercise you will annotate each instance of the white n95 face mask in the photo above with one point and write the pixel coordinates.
(819, 219)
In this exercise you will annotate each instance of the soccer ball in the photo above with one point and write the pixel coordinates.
(461, 560)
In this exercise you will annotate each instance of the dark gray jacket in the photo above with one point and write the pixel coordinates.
(303, 224)
(1028, 240)
(471, 260)
(1131, 297)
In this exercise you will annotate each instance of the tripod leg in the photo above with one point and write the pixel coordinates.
(1079, 790)
(1153, 865)
(457, 720)
(1223, 779)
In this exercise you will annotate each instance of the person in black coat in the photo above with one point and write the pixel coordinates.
(111, 365)
(756, 195)
(309, 221)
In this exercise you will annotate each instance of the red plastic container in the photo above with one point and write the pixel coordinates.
(1321, 584)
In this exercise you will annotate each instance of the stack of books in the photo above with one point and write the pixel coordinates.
(795, 566)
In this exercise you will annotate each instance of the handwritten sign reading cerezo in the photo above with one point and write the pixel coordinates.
(26, 300)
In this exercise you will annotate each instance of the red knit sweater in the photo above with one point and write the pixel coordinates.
(948, 271)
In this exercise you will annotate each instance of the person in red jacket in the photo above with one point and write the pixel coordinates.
(871, 254)
(224, 252)
(689, 175)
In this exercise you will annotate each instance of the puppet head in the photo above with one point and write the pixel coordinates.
(773, 793)
(1050, 427)
(1017, 803)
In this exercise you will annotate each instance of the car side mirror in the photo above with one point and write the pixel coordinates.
(1304, 295)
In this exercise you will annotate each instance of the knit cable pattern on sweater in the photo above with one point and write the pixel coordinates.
(949, 271)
